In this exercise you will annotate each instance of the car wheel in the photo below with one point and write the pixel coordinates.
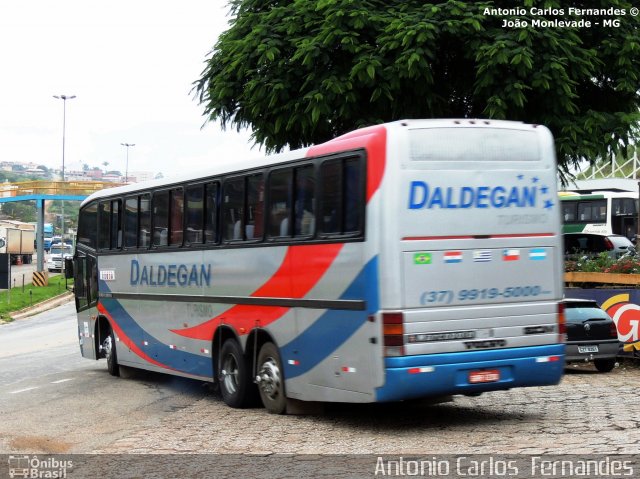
(604, 365)
(271, 379)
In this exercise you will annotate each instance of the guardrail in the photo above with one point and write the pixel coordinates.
(77, 188)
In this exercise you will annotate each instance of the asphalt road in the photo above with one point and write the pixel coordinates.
(53, 400)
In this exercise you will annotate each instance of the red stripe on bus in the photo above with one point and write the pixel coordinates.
(128, 342)
(435, 238)
(373, 139)
(301, 269)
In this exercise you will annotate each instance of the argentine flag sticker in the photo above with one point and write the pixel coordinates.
(537, 254)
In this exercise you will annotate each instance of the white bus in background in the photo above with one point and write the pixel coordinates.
(415, 259)
(606, 206)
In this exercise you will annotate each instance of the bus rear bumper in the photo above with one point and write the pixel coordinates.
(412, 377)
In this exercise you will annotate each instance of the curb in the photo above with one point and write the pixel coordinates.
(43, 306)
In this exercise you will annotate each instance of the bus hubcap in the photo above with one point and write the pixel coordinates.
(229, 374)
(269, 378)
(106, 347)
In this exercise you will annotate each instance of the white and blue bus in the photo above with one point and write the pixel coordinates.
(415, 259)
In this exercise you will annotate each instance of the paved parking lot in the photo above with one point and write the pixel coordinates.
(589, 412)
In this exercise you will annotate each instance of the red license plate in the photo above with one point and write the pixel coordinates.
(485, 376)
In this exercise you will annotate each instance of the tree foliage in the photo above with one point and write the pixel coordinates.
(24, 211)
(302, 71)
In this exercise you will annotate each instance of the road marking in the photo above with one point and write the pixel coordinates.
(62, 381)
(23, 390)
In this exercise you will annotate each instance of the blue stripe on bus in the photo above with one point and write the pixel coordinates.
(323, 337)
(334, 327)
(518, 367)
(181, 361)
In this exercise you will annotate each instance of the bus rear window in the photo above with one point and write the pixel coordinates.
(473, 145)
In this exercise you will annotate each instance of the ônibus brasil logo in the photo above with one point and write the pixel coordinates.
(626, 315)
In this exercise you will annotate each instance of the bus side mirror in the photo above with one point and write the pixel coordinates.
(68, 268)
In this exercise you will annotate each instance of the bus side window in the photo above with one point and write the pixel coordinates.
(131, 222)
(161, 218)
(176, 228)
(569, 210)
(116, 226)
(104, 219)
(280, 183)
(341, 200)
(233, 209)
(330, 172)
(88, 226)
(352, 195)
(144, 222)
(211, 212)
(305, 201)
(255, 207)
(194, 214)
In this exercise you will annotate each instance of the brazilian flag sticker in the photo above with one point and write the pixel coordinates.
(422, 258)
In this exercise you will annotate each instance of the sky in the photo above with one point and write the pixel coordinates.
(131, 65)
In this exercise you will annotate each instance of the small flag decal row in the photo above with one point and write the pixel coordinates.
(510, 255)
(482, 256)
(537, 254)
(453, 257)
(422, 258)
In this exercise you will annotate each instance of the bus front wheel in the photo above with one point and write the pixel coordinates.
(270, 379)
(109, 348)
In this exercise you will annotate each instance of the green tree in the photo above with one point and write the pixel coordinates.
(71, 209)
(24, 211)
(302, 72)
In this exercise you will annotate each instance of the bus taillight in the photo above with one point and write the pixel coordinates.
(562, 325)
(393, 330)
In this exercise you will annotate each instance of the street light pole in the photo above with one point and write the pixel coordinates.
(64, 99)
(126, 171)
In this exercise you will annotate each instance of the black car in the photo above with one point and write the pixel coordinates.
(591, 334)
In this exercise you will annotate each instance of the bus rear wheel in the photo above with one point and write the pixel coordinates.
(109, 348)
(270, 379)
(238, 391)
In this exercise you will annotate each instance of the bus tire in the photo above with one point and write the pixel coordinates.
(109, 347)
(235, 376)
(270, 379)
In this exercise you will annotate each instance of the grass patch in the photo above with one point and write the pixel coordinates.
(20, 298)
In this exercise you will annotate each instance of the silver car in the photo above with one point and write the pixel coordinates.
(592, 244)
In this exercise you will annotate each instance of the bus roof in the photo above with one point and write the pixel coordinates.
(221, 168)
(214, 170)
(612, 185)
